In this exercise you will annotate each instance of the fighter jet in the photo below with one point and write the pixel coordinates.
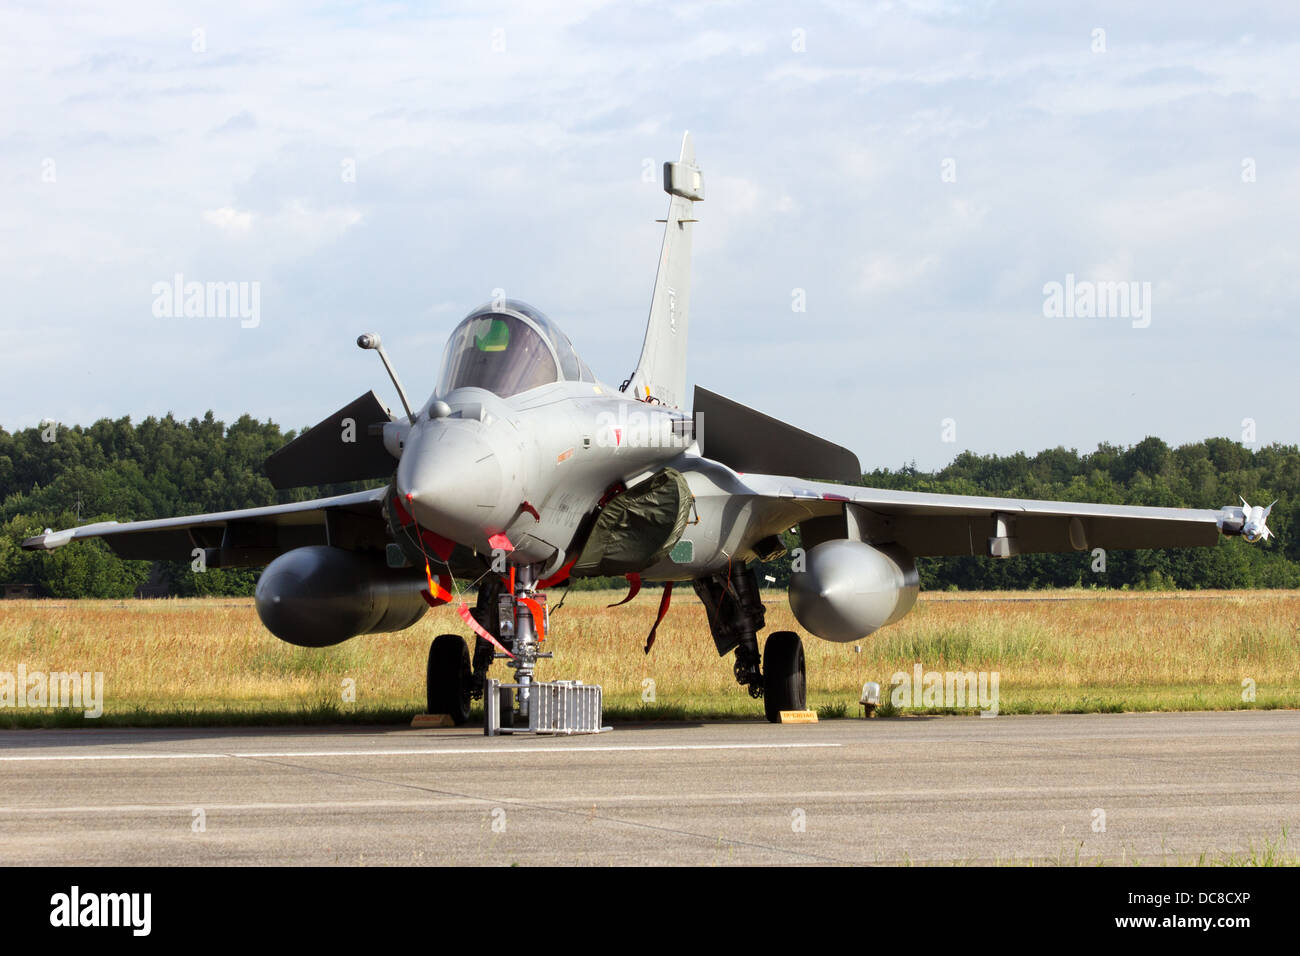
(523, 470)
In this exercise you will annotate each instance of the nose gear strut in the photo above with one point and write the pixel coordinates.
(522, 617)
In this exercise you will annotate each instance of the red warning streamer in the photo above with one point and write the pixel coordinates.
(441, 595)
(634, 580)
(559, 577)
(663, 610)
(539, 616)
(477, 628)
(439, 592)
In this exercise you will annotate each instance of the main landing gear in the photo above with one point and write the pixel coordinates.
(785, 684)
(515, 618)
(736, 615)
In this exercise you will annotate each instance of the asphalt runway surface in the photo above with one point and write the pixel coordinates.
(1123, 788)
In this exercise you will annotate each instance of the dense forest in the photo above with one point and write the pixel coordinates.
(57, 477)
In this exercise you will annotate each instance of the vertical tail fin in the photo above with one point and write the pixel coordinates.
(661, 371)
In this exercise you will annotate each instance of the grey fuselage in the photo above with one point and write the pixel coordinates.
(559, 448)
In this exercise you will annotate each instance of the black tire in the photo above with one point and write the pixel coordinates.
(785, 685)
(448, 678)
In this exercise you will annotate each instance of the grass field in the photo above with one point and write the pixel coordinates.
(210, 661)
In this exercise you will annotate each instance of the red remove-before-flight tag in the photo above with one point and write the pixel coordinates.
(634, 588)
(478, 629)
(439, 592)
(663, 609)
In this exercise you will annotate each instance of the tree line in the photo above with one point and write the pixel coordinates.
(1206, 474)
(57, 477)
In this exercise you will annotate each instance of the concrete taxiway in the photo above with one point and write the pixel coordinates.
(1146, 788)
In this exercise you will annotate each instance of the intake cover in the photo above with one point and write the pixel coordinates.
(638, 527)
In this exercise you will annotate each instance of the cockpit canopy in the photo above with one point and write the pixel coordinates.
(507, 348)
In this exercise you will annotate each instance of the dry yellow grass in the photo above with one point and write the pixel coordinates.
(210, 659)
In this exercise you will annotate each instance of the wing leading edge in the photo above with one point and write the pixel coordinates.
(931, 525)
(244, 538)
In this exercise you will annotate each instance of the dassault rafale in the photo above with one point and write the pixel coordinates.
(523, 470)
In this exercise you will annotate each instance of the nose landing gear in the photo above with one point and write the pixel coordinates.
(518, 619)
(524, 618)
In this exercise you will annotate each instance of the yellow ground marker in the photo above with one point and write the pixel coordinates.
(432, 720)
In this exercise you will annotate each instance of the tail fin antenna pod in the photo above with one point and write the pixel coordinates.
(660, 374)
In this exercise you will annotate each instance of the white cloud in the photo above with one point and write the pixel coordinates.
(228, 220)
(523, 169)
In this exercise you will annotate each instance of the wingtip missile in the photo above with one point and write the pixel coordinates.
(1250, 522)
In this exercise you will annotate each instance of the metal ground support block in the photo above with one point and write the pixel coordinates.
(555, 707)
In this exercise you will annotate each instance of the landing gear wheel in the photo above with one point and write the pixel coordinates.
(785, 686)
(448, 679)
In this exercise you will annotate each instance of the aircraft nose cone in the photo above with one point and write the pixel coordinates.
(453, 476)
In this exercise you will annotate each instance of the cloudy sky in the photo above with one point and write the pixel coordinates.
(921, 171)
